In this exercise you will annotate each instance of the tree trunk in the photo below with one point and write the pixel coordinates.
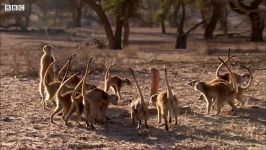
(181, 42)
(203, 19)
(257, 27)
(223, 22)
(127, 14)
(118, 33)
(257, 23)
(105, 22)
(28, 12)
(181, 39)
(216, 14)
(78, 16)
(163, 25)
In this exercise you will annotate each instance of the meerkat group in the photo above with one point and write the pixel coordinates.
(72, 94)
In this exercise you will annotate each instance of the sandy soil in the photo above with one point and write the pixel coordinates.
(25, 125)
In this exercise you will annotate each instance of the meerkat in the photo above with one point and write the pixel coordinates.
(94, 101)
(115, 82)
(76, 99)
(139, 108)
(166, 103)
(75, 80)
(63, 99)
(217, 78)
(52, 87)
(220, 91)
(46, 59)
(239, 79)
(241, 90)
(76, 103)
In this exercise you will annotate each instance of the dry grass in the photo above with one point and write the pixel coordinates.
(25, 125)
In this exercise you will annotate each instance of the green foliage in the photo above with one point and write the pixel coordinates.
(201, 4)
(164, 9)
(114, 7)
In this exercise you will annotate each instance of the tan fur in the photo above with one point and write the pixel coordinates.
(52, 87)
(95, 102)
(63, 99)
(220, 91)
(46, 59)
(166, 103)
(139, 108)
(241, 90)
(115, 82)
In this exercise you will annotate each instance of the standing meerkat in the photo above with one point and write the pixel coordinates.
(139, 108)
(115, 82)
(52, 87)
(219, 92)
(46, 59)
(166, 103)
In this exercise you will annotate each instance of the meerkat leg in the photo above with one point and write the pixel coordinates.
(231, 103)
(42, 90)
(118, 93)
(219, 106)
(146, 118)
(133, 117)
(165, 119)
(175, 115)
(139, 124)
(170, 115)
(69, 113)
(208, 105)
(56, 111)
(159, 114)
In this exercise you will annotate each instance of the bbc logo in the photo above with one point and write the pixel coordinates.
(14, 7)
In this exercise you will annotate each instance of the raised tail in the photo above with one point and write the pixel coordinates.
(140, 93)
(45, 77)
(220, 66)
(63, 84)
(66, 65)
(232, 81)
(107, 73)
(83, 90)
(169, 90)
(251, 77)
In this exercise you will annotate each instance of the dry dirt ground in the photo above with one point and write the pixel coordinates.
(25, 125)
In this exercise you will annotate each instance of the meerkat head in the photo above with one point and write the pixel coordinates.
(199, 86)
(126, 81)
(153, 99)
(113, 99)
(192, 83)
(47, 48)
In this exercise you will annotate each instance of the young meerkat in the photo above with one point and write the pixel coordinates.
(46, 59)
(217, 78)
(219, 92)
(115, 82)
(76, 100)
(63, 99)
(226, 76)
(241, 90)
(94, 101)
(166, 103)
(139, 108)
(239, 79)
